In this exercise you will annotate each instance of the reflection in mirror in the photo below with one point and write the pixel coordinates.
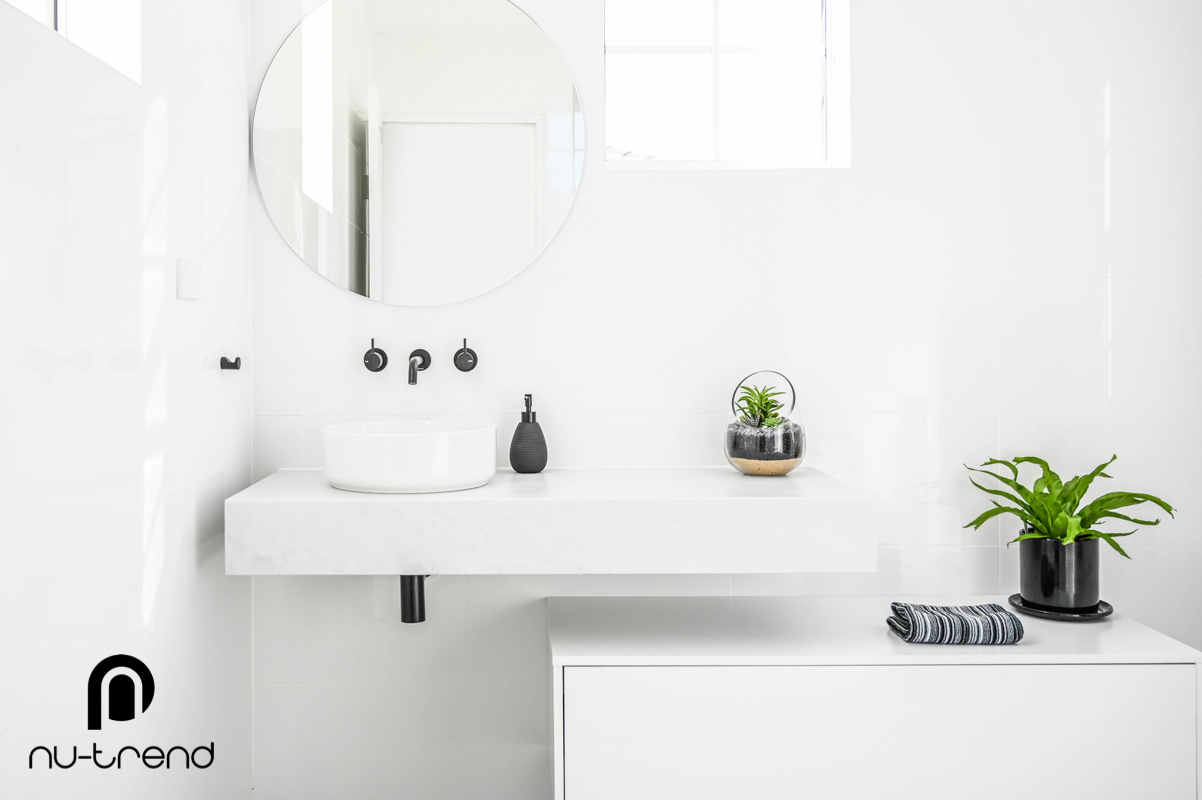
(418, 152)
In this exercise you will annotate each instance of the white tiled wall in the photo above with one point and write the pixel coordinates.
(1012, 266)
(119, 436)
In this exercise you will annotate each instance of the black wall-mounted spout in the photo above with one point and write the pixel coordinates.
(419, 361)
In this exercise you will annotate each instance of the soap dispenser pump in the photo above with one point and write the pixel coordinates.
(528, 450)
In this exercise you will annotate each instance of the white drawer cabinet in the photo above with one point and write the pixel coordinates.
(811, 698)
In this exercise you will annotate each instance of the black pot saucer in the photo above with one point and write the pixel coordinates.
(1103, 610)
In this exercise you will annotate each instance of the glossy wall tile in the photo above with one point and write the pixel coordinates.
(119, 436)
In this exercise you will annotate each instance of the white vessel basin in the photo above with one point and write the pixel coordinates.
(409, 456)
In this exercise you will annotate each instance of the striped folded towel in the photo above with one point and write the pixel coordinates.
(987, 624)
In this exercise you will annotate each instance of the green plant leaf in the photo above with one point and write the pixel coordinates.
(1050, 482)
(1116, 515)
(1115, 500)
(1109, 539)
(1045, 510)
(999, 493)
(1013, 469)
(1072, 528)
(757, 406)
(1023, 492)
(1125, 518)
(1040, 517)
(997, 511)
(1037, 515)
(1022, 536)
(1081, 485)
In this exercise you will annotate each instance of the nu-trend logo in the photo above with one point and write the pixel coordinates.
(121, 699)
(124, 695)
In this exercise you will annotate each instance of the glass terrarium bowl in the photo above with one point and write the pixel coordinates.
(764, 436)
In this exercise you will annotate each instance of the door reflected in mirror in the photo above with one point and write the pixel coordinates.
(418, 152)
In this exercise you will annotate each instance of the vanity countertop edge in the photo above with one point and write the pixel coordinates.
(821, 630)
(690, 520)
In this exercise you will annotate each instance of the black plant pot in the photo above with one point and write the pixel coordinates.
(1059, 577)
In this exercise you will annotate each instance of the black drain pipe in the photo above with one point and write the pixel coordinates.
(413, 598)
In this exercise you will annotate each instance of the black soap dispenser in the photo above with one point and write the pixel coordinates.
(528, 451)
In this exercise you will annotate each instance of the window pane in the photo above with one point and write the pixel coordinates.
(657, 22)
(770, 108)
(111, 31)
(774, 69)
(770, 23)
(770, 100)
(41, 10)
(659, 106)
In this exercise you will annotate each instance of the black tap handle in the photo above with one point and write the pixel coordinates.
(375, 359)
(465, 358)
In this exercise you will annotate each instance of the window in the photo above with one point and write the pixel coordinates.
(111, 30)
(726, 83)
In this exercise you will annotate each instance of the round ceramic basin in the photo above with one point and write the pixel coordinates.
(409, 456)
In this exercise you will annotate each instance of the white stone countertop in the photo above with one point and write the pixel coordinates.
(567, 521)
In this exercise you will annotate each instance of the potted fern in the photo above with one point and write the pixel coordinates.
(1058, 543)
(762, 439)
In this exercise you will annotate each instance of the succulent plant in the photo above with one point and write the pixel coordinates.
(759, 408)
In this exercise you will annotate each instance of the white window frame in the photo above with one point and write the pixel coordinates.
(836, 100)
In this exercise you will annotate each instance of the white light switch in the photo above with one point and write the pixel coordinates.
(189, 279)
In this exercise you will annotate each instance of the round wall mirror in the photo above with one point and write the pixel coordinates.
(418, 152)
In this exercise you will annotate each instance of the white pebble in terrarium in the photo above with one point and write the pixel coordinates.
(765, 438)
